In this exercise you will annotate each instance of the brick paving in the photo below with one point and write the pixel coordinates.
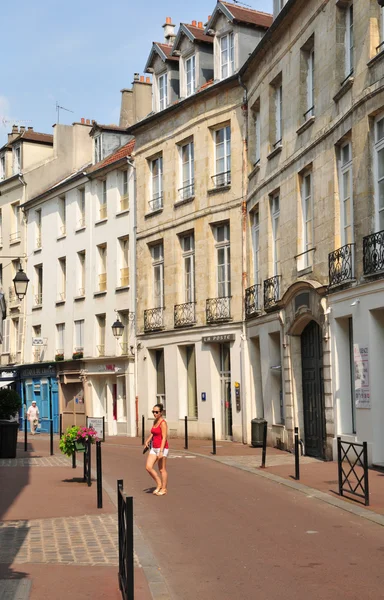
(15, 590)
(34, 461)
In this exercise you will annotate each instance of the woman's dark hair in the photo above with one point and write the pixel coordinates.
(160, 407)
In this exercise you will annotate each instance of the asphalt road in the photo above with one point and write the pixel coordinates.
(222, 533)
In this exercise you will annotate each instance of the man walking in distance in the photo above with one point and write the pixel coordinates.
(33, 416)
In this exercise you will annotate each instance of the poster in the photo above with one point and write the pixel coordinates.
(98, 424)
(361, 362)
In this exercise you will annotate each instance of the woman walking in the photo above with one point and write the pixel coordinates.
(159, 450)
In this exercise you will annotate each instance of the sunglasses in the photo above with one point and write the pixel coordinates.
(155, 412)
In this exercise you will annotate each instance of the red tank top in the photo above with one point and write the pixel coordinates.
(157, 436)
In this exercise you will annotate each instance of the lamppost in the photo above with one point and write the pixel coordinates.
(118, 328)
(20, 281)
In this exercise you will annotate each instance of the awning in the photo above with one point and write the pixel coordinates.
(5, 383)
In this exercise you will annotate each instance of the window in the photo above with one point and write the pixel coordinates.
(61, 279)
(222, 156)
(191, 382)
(278, 115)
(158, 275)
(124, 340)
(349, 49)
(227, 55)
(379, 172)
(124, 197)
(308, 56)
(60, 334)
(36, 331)
(98, 149)
(380, 47)
(79, 335)
(38, 285)
(188, 246)
(190, 75)
(103, 200)
(16, 160)
(101, 334)
(307, 219)
(275, 216)
(14, 335)
(62, 216)
(15, 235)
(156, 201)
(257, 128)
(187, 189)
(123, 275)
(256, 245)
(81, 205)
(160, 377)
(223, 257)
(81, 273)
(2, 166)
(102, 268)
(162, 86)
(38, 228)
(346, 195)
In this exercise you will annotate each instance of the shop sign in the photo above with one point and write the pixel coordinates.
(218, 339)
(8, 375)
(37, 341)
(98, 424)
(362, 389)
(38, 372)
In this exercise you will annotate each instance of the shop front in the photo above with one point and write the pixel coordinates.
(39, 384)
(72, 393)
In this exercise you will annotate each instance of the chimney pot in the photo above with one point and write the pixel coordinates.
(209, 17)
(136, 77)
(30, 128)
(82, 121)
(168, 20)
(22, 128)
(194, 23)
(15, 129)
(200, 24)
(88, 122)
(148, 80)
(141, 78)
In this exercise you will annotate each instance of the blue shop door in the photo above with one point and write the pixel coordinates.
(55, 405)
(43, 405)
(28, 397)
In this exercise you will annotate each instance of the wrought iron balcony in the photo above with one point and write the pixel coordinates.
(340, 265)
(373, 253)
(156, 203)
(218, 309)
(221, 179)
(153, 319)
(184, 314)
(271, 291)
(252, 300)
(187, 192)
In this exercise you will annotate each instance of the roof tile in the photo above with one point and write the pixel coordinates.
(248, 15)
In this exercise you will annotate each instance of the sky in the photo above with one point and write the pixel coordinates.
(80, 54)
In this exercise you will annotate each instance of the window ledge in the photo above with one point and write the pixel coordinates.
(305, 271)
(37, 250)
(182, 202)
(275, 152)
(61, 237)
(14, 242)
(60, 302)
(103, 293)
(100, 221)
(344, 89)
(375, 59)
(80, 229)
(78, 298)
(122, 288)
(306, 125)
(217, 190)
(255, 169)
(281, 425)
(122, 212)
(153, 213)
(37, 307)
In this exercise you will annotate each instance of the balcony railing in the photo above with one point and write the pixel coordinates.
(252, 300)
(103, 211)
(218, 309)
(61, 297)
(271, 291)
(124, 277)
(221, 179)
(81, 292)
(102, 282)
(81, 223)
(187, 192)
(340, 265)
(38, 299)
(14, 237)
(101, 349)
(184, 314)
(309, 113)
(124, 202)
(373, 253)
(153, 319)
(156, 203)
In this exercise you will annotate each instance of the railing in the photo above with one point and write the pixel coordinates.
(346, 78)
(61, 297)
(271, 291)
(340, 265)
(218, 309)
(101, 350)
(186, 192)
(184, 314)
(124, 347)
(102, 282)
(352, 456)
(252, 299)
(380, 47)
(15, 237)
(221, 179)
(124, 277)
(81, 292)
(38, 243)
(309, 113)
(81, 223)
(38, 299)
(277, 143)
(373, 253)
(103, 211)
(124, 202)
(126, 555)
(156, 203)
(153, 319)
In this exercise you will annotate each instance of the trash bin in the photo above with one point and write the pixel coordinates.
(257, 431)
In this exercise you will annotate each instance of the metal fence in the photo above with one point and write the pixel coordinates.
(125, 524)
(353, 469)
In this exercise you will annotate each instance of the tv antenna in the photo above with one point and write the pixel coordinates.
(243, 4)
(59, 108)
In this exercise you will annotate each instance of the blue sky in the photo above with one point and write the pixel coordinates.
(80, 53)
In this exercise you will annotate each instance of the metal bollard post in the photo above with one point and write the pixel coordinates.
(25, 434)
(129, 554)
(89, 480)
(61, 426)
(213, 436)
(99, 476)
(297, 455)
(51, 436)
(339, 466)
(74, 460)
(186, 433)
(142, 430)
(264, 454)
(366, 486)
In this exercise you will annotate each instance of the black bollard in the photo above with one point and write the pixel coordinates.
(213, 436)
(99, 476)
(74, 460)
(186, 433)
(264, 454)
(297, 456)
(51, 436)
(142, 430)
(61, 426)
(89, 480)
(25, 434)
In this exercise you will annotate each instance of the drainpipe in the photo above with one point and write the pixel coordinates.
(133, 167)
(244, 110)
(25, 222)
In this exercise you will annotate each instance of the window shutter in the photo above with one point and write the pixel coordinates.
(6, 337)
(21, 332)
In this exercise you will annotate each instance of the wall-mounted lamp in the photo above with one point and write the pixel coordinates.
(20, 281)
(357, 301)
(117, 328)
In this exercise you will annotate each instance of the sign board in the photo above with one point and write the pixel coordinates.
(98, 423)
(218, 339)
(362, 389)
(37, 341)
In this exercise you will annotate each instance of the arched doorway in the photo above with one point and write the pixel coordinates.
(313, 390)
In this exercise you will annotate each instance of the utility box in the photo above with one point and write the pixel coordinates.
(257, 432)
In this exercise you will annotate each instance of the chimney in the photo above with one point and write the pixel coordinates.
(15, 129)
(200, 24)
(82, 120)
(141, 78)
(88, 122)
(136, 77)
(194, 23)
(136, 102)
(30, 128)
(147, 80)
(22, 128)
(169, 31)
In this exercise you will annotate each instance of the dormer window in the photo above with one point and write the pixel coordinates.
(16, 160)
(98, 149)
(190, 75)
(162, 86)
(227, 55)
(2, 167)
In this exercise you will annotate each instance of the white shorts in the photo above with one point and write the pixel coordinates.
(157, 450)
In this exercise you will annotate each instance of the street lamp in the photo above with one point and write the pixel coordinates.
(20, 282)
(117, 328)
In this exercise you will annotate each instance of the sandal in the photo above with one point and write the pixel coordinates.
(156, 490)
(161, 492)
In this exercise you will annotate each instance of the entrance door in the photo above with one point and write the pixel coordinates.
(225, 381)
(313, 396)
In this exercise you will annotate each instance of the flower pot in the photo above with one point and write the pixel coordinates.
(8, 438)
(79, 446)
(59, 357)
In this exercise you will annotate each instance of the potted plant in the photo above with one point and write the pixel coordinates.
(59, 357)
(75, 438)
(10, 404)
(77, 355)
